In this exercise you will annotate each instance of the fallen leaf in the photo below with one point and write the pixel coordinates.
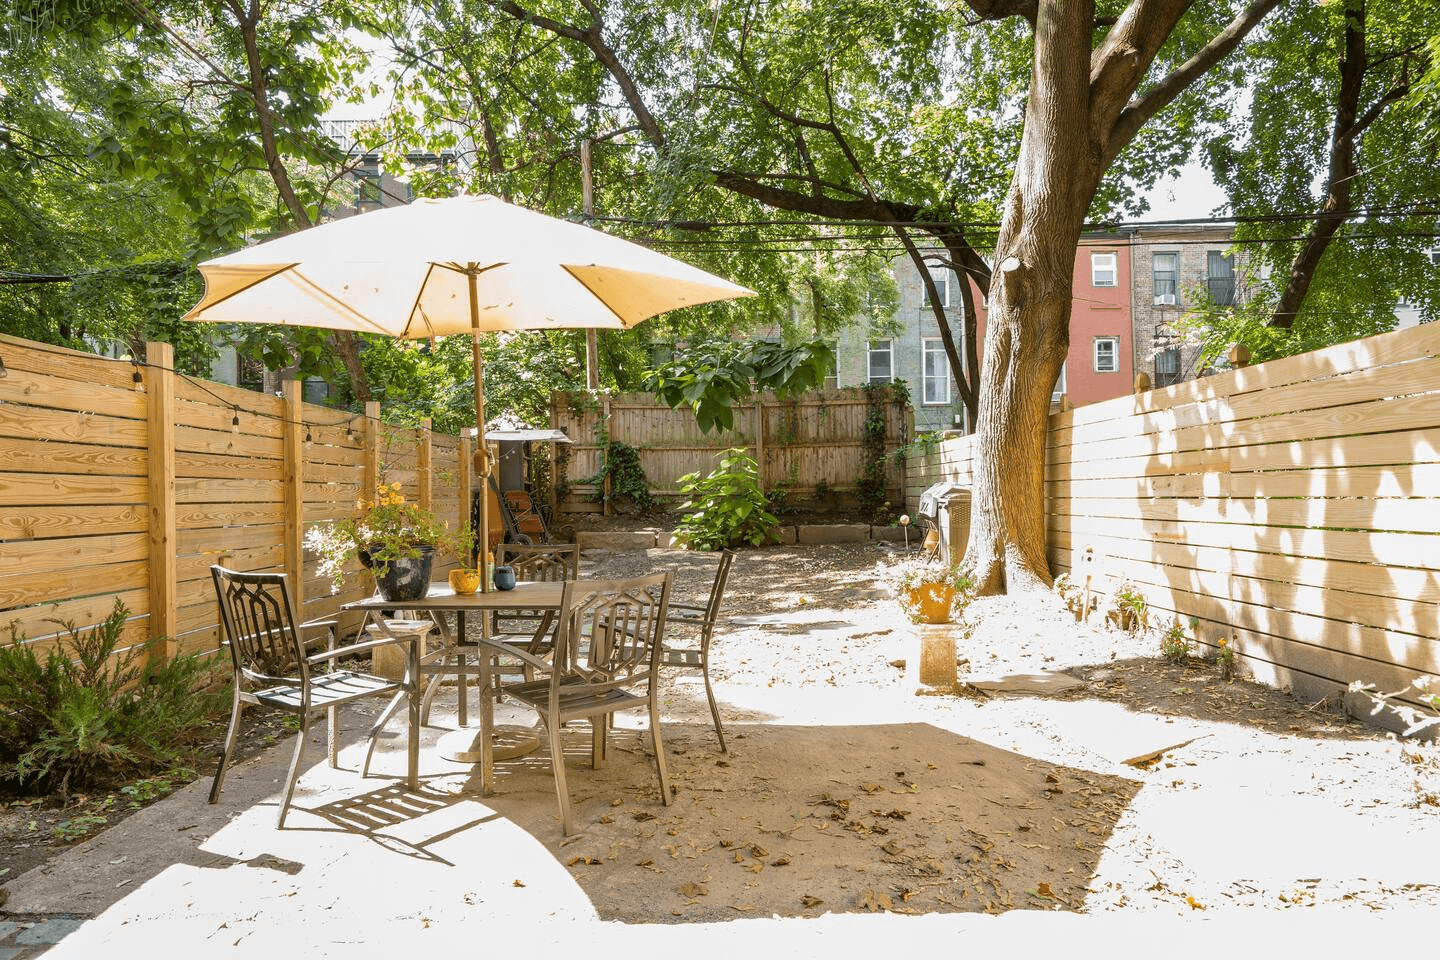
(647, 862)
(781, 861)
(517, 883)
(870, 787)
(874, 902)
(757, 851)
(589, 861)
(692, 889)
(810, 901)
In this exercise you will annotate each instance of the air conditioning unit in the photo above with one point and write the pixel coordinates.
(1165, 300)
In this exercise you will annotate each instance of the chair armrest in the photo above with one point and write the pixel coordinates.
(353, 648)
(510, 650)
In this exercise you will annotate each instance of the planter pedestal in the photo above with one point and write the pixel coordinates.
(389, 661)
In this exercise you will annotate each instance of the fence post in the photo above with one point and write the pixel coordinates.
(160, 412)
(466, 465)
(605, 461)
(425, 461)
(760, 443)
(294, 492)
(371, 450)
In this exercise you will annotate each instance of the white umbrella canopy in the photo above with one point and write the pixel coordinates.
(407, 272)
(459, 265)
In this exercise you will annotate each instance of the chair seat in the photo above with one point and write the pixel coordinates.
(326, 689)
(576, 699)
(682, 658)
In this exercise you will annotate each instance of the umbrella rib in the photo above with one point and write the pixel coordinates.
(345, 307)
(236, 292)
(417, 310)
(624, 325)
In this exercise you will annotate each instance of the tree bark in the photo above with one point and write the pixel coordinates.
(1027, 332)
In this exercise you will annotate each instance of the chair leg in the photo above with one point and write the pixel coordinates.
(379, 725)
(557, 766)
(714, 710)
(301, 737)
(659, 749)
(228, 747)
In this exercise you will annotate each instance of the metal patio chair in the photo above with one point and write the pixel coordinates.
(697, 625)
(275, 667)
(606, 658)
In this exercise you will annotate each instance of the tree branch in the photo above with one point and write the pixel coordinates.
(1141, 109)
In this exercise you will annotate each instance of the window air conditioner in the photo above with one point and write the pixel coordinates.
(1165, 300)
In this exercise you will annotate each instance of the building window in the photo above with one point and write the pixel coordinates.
(942, 288)
(368, 193)
(832, 375)
(1107, 354)
(1166, 272)
(1220, 277)
(881, 368)
(1059, 390)
(1102, 270)
(936, 388)
(1167, 367)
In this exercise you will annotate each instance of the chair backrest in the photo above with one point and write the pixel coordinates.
(546, 561)
(611, 631)
(717, 588)
(257, 617)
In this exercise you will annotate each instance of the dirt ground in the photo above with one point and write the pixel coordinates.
(845, 791)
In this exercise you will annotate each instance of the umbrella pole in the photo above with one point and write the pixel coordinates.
(482, 454)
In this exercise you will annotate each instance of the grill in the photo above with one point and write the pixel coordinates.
(945, 511)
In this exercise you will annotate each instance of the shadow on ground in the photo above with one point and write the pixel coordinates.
(803, 820)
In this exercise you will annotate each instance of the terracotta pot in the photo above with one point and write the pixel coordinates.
(464, 582)
(931, 602)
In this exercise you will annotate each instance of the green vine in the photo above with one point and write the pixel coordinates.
(870, 485)
(621, 463)
(560, 473)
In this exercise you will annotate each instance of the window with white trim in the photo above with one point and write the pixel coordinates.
(936, 386)
(1103, 270)
(1165, 274)
(832, 374)
(1059, 390)
(880, 365)
(941, 279)
(1107, 354)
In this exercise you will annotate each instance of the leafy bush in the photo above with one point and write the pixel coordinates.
(726, 507)
(90, 711)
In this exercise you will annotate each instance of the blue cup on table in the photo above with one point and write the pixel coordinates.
(504, 578)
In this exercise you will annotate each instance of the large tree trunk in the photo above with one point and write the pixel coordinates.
(1027, 334)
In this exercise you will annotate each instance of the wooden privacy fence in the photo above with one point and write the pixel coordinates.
(121, 479)
(804, 445)
(1292, 507)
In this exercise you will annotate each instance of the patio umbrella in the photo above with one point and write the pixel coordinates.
(460, 265)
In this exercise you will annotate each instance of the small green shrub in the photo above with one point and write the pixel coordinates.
(1174, 645)
(726, 507)
(91, 712)
(1128, 609)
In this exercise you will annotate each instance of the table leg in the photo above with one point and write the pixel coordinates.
(487, 723)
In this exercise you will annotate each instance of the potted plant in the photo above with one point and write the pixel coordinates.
(928, 591)
(395, 538)
(465, 578)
